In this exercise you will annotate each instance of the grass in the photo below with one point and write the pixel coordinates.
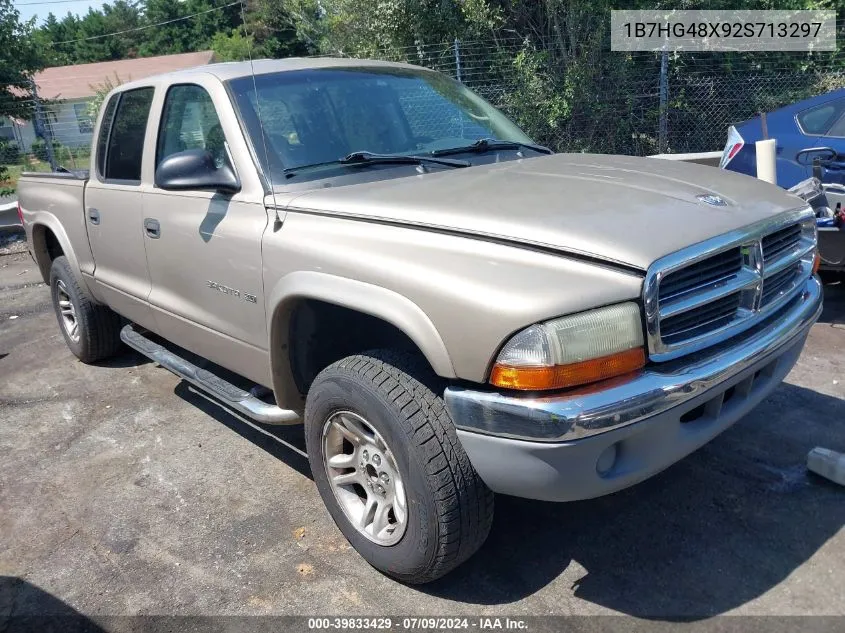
(65, 156)
(13, 172)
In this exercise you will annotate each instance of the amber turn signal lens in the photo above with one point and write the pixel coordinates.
(817, 261)
(560, 376)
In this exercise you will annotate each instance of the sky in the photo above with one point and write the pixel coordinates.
(41, 8)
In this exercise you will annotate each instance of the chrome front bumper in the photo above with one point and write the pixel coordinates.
(579, 446)
(658, 388)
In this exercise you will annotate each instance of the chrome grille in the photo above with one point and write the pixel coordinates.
(712, 316)
(780, 281)
(711, 291)
(779, 242)
(700, 274)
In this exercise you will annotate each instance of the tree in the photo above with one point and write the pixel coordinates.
(274, 31)
(368, 27)
(232, 48)
(184, 36)
(112, 18)
(100, 93)
(20, 58)
(100, 34)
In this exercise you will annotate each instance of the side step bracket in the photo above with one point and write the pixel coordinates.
(225, 393)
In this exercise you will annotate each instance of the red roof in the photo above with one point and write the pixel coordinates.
(82, 80)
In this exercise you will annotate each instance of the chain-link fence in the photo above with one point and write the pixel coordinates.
(628, 103)
(43, 136)
(624, 103)
(708, 103)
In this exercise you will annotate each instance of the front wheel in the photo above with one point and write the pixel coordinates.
(390, 468)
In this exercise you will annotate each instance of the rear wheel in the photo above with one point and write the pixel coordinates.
(91, 331)
(390, 468)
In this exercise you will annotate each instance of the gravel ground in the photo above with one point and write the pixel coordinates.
(121, 492)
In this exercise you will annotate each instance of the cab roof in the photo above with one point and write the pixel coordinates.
(234, 70)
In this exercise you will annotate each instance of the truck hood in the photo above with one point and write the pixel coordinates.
(624, 210)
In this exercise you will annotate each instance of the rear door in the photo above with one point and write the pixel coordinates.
(205, 255)
(114, 205)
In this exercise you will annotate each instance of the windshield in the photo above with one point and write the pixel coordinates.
(317, 116)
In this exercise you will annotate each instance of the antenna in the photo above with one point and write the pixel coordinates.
(277, 223)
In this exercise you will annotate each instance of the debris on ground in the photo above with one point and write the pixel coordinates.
(12, 241)
(827, 463)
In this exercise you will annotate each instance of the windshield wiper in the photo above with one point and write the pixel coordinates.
(369, 158)
(357, 159)
(490, 144)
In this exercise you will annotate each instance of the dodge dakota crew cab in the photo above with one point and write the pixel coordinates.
(451, 310)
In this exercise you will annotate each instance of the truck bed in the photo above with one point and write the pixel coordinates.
(68, 174)
(57, 200)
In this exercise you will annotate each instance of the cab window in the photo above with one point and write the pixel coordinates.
(103, 138)
(125, 146)
(189, 121)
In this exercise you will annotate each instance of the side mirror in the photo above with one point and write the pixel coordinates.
(195, 169)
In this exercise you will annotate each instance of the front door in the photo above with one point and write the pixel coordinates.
(114, 206)
(204, 256)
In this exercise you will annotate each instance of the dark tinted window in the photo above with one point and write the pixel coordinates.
(103, 139)
(126, 143)
(819, 119)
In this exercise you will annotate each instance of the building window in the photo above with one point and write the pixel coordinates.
(83, 119)
(7, 130)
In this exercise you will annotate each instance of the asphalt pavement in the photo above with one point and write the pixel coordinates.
(121, 492)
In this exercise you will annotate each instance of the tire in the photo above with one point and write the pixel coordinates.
(448, 510)
(97, 332)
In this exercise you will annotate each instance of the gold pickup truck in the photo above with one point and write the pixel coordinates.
(451, 310)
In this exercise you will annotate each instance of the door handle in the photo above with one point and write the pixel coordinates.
(93, 215)
(152, 228)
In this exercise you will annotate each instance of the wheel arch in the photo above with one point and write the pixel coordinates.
(50, 241)
(366, 299)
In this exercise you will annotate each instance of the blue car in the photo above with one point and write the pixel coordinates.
(816, 124)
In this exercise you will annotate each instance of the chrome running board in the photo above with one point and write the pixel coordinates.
(223, 392)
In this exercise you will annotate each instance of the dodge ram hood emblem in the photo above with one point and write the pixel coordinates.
(712, 200)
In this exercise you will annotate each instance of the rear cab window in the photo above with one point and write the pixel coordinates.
(105, 130)
(120, 146)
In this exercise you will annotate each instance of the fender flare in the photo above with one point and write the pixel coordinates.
(363, 297)
(50, 222)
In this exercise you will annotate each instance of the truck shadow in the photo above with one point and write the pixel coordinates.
(25, 608)
(285, 443)
(128, 358)
(834, 303)
(710, 534)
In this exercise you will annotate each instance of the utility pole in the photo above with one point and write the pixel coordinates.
(42, 125)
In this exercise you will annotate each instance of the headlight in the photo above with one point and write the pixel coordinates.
(573, 350)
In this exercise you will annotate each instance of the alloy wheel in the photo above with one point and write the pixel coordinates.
(365, 478)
